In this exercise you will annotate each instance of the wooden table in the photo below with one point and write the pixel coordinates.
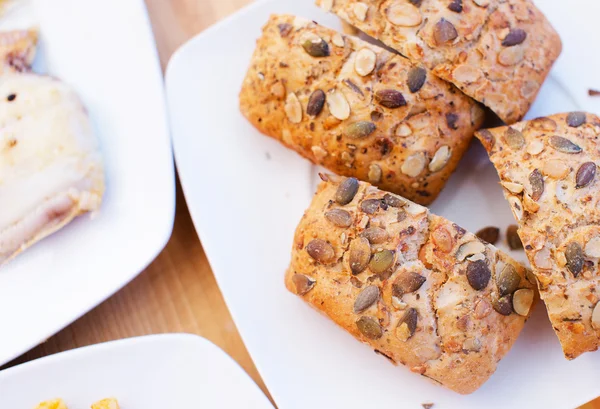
(177, 292)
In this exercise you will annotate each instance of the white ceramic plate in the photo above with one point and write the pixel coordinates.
(155, 372)
(246, 193)
(105, 50)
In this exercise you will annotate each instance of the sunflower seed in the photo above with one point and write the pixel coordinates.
(403, 130)
(346, 191)
(338, 40)
(468, 249)
(466, 73)
(414, 164)
(478, 274)
(360, 254)
(489, 234)
(315, 103)
(444, 32)
(339, 217)
(512, 237)
(585, 174)
(360, 11)
(369, 327)
(542, 259)
(416, 78)
(503, 305)
(511, 56)
(440, 159)
(514, 37)
(398, 304)
(359, 129)
(535, 147)
(303, 283)
(516, 206)
(575, 119)
(364, 63)
(482, 3)
(512, 187)
(375, 235)
(382, 261)
(403, 14)
(555, 168)
(537, 184)
(522, 301)
(374, 173)
(321, 251)
(482, 309)
(563, 144)
(575, 259)
(390, 98)
(408, 282)
(293, 109)
(338, 105)
(508, 280)
(514, 138)
(407, 325)
(443, 239)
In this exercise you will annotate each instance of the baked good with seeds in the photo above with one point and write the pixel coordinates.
(496, 51)
(17, 50)
(357, 109)
(412, 285)
(548, 169)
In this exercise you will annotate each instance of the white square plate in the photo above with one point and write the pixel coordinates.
(173, 371)
(246, 193)
(105, 50)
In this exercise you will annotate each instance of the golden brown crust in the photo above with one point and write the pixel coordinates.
(549, 172)
(410, 149)
(435, 267)
(17, 50)
(497, 51)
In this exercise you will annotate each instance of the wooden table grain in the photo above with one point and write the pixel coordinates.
(178, 291)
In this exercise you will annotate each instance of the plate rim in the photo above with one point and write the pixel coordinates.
(162, 227)
(172, 65)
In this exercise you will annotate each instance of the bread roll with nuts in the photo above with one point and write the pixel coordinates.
(17, 50)
(497, 52)
(357, 109)
(548, 169)
(413, 286)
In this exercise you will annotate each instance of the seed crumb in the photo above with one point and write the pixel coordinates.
(593, 92)
(427, 405)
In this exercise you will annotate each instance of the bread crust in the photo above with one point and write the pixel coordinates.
(498, 52)
(554, 164)
(368, 125)
(457, 336)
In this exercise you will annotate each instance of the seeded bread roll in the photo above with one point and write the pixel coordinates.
(417, 288)
(17, 50)
(548, 170)
(357, 109)
(496, 51)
